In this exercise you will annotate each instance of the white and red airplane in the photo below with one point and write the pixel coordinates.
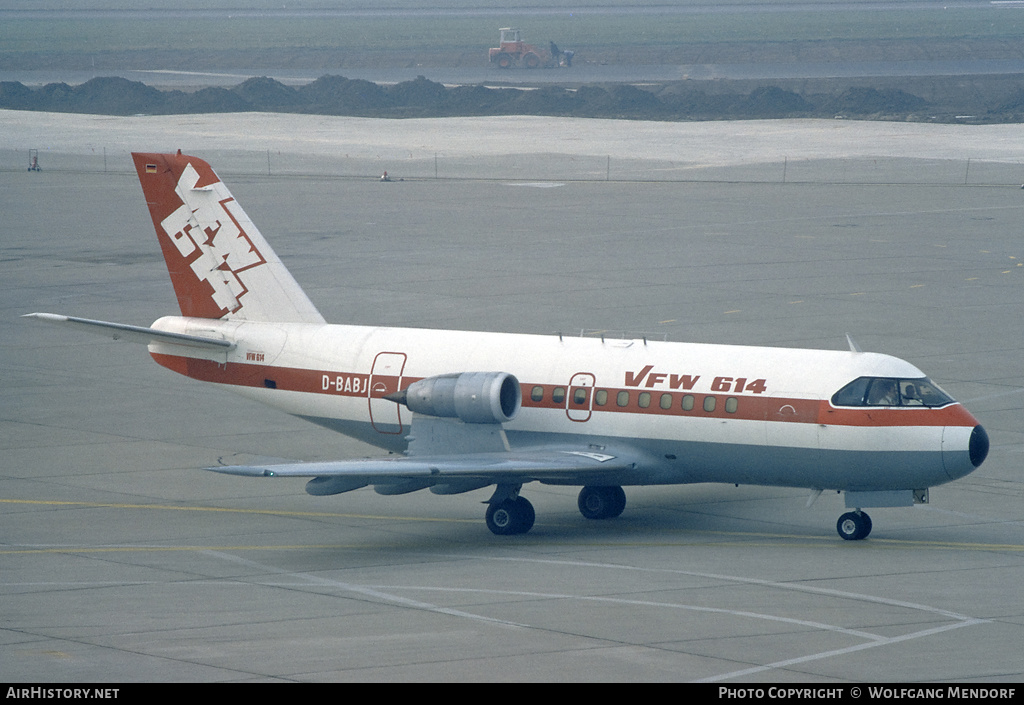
(469, 410)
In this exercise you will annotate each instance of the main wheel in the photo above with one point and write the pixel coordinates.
(531, 60)
(505, 60)
(601, 502)
(854, 526)
(512, 516)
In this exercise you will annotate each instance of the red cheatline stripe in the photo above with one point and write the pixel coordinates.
(751, 408)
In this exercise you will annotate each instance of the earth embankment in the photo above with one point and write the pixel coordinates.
(971, 99)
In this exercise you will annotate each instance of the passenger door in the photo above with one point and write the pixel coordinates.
(386, 378)
(579, 401)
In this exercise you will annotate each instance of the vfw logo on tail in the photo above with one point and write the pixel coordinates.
(220, 264)
(207, 233)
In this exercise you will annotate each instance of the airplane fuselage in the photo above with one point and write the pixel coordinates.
(703, 413)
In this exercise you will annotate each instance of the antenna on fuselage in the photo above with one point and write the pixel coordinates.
(854, 348)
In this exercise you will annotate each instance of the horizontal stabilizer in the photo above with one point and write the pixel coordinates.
(133, 334)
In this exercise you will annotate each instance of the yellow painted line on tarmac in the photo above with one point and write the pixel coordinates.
(774, 541)
(948, 545)
(760, 538)
(165, 549)
(766, 541)
(232, 510)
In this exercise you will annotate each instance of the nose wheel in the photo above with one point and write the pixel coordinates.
(854, 526)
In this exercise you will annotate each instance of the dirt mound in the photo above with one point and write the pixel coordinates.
(268, 94)
(996, 99)
(337, 95)
(16, 96)
(206, 100)
(872, 101)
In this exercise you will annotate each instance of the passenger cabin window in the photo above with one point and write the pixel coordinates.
(558, 395)
(537, 393)
(889, 391)
(601, 397)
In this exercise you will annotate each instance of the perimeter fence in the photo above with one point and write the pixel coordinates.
(550, 167)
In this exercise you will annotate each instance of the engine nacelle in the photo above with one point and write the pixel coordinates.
(473, 397)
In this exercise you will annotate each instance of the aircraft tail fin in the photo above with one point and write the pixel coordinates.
(220, 265)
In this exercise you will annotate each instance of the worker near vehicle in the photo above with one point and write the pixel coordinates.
(563, 58)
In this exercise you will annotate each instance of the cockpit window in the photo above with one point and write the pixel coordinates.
(922, 392)
(888, 391)
(853, 393)
(883, 392)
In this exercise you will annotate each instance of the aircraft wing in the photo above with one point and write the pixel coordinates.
(555, 466)
(133, 334)
(450, 457)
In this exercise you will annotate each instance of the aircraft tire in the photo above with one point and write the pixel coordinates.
(513, 516)
(527, 515)
(854, 526)
(601, 502)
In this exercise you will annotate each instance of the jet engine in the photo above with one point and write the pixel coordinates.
(473, 397)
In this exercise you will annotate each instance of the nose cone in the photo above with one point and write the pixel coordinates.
(964, 449)
(977, 447)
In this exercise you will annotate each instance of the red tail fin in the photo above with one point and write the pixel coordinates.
(220, 265)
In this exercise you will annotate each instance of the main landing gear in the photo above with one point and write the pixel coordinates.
(509, 514)
(854, 526)
(601, 502)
